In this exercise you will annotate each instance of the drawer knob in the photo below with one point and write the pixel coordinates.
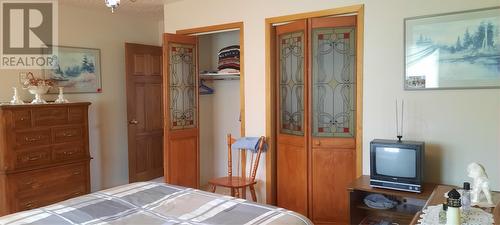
(68, 134)
(33, 139)
(69, 153)
(31, 158)
(29, 182)
(77, 173)
(34, 158)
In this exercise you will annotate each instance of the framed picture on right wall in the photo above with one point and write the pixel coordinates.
(453, 51)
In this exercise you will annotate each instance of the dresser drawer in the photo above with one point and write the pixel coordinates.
(35, 182)
(50, 116)
(68, 134)
(68, 151)
(50, 196)
(32, 138)
(76, 115)
(33, 157)
(22, 118)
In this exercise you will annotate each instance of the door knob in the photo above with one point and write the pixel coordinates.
(133, 122)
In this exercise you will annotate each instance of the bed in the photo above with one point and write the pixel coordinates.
(155, 203)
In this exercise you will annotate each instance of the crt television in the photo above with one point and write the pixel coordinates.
(397, 165)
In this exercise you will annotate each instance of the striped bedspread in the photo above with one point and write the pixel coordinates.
(155, 203)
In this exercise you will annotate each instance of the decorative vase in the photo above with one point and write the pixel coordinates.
(38, 91)
(60, 97)
(15, 99)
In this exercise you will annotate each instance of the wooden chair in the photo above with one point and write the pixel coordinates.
(235, 183)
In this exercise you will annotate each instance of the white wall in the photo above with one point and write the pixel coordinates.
(458, 126)
(89, 28)
(219, 112)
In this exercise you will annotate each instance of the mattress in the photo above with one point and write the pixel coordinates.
(155, 203)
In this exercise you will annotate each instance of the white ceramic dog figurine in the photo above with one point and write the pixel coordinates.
(480, 183)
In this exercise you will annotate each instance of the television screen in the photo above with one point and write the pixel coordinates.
(397, 162)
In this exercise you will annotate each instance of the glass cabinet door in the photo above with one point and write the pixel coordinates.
(333, 82)
(291, 82)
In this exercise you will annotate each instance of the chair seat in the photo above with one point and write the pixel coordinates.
(232, 182)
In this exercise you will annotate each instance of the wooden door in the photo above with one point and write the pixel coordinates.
(144, 111)
(181, 140)
(333, 109)
(291, 80)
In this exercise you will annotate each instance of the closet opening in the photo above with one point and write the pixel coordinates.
(221, 97)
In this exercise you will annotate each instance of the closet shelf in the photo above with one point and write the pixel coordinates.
(220, 76)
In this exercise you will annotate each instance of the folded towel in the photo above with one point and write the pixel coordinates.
(249, 143)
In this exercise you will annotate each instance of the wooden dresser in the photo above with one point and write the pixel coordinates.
(44, 154)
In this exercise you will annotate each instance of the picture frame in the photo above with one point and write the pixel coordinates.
(458, 50)
(76, 69)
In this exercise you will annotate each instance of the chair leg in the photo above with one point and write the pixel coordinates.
(213, 188)
(252, 191)
(232, 192)
(243, 193)
(237, 192)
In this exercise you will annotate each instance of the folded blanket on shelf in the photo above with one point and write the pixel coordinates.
(229, 58)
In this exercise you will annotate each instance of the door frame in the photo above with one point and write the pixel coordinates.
(219, 28)
(358, 10)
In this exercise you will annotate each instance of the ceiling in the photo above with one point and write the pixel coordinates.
(152, 8)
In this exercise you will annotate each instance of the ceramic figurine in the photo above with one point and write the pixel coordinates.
(480, 183)
(15, 99)
(60, 97)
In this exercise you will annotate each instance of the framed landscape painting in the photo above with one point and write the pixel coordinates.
(78, 70)
(453, 51)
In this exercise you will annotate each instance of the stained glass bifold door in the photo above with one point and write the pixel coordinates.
(181, 135)
(333, 82)
(291, 83)
(182, 86)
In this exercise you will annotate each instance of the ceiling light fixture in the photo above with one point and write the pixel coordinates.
(113, 4)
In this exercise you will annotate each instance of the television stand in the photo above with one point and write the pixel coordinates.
(411, 203)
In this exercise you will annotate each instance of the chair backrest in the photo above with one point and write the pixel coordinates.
(254, 162)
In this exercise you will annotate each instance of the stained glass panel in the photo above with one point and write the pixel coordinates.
(291, 83)
(182, 86)
(333, 78)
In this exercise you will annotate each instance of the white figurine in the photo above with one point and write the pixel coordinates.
(480, 183)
